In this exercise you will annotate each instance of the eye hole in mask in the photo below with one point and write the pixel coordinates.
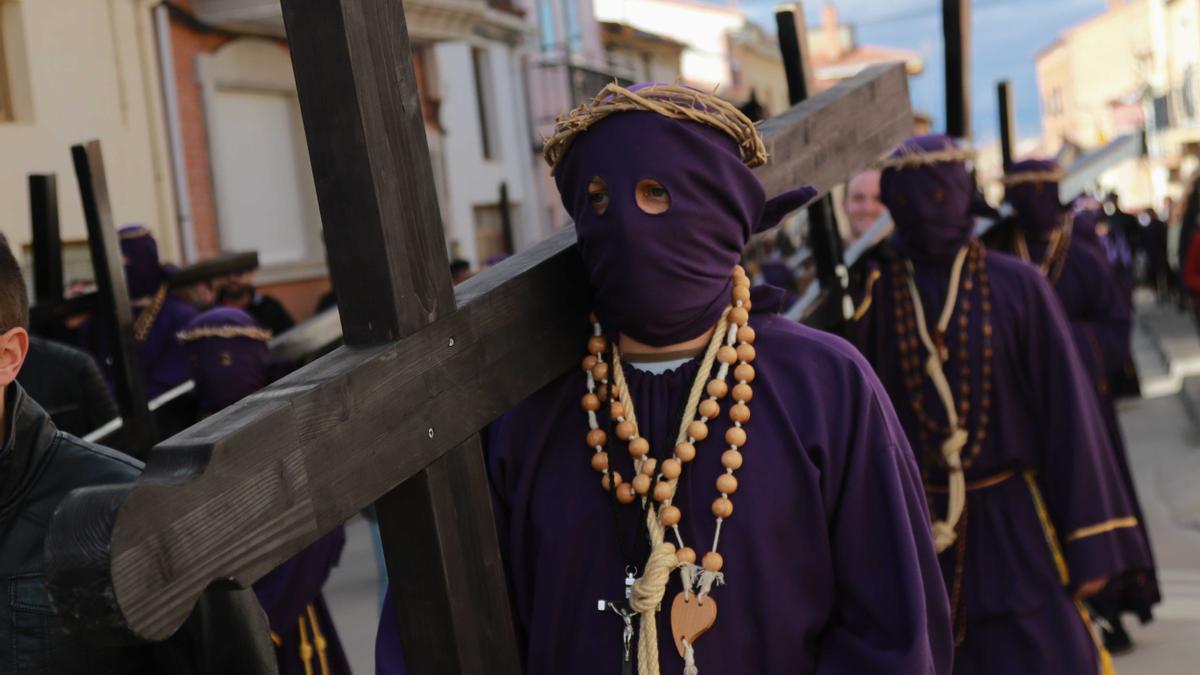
(652, 197)
(598, 195)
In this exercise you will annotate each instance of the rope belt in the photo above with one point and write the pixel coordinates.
(980, 484)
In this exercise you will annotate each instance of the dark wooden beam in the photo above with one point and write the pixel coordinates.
(114, 310)
(369, 154)
(47, 244)
(214, 268)
(245, 489)
(1008, 135)
(823, 236)
(387, 253)
(956, 32)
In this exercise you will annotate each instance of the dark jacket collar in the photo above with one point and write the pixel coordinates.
(25, 453)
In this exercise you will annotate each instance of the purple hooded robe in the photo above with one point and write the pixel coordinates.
(829, 562)
(162, 358)
(229, 361)
(1047, 508)
(1101, 325)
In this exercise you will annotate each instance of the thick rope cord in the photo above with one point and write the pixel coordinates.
(944, 530)
(648, 590)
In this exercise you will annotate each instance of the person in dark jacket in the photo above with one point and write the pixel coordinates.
(39, 465)
(239, 291)
(67, 383)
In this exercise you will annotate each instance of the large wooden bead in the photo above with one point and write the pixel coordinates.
(662, 492)
(590, 402)
(739, 316)
(597, 344)
(745, 353)
(685, 451)
(600, 371)
(626, 430)
(686, 555)
(735, 437)
(742, 281)
(649, 466)
(596, 438)
(727, 355)
(602, 391)
(726, 484)
(722, 507)
(589, 362)
(746, 334)
(717, 388)
(599, 461)
(671, 468)
(616, 409)
(709, 408)
(742, 393)
(641, 483)
(669, 515)
(625, 493)
(638, 447)
(741, 293)
(744, 373)
(713, 562)
(698, 430)
(738, 271)
(740, 412)
(731, 459)
(611, 478)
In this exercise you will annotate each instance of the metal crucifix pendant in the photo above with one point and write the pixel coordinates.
(622, 610)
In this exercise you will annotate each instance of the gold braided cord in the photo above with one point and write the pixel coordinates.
(669, 100)
(145, 320)
(912, 157)
(205, 332)
(1033, 177)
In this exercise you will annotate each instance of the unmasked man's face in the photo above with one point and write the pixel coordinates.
(863, 205)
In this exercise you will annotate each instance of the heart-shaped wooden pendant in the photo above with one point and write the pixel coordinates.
(691, 617)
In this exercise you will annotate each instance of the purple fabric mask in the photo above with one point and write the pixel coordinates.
(143, 273)
(1036, 203)
(226, 369)
(665, 278)
(931, 205)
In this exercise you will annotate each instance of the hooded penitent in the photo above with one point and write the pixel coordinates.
(663, 278)
(1046, 507)
(927, 189)
(1031, 189)
(228, 355)
(829, 489)
(143, 272)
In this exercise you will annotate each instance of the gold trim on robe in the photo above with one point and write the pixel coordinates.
(1101, 528)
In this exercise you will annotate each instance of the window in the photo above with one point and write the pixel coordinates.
(574, 32)
(546, 24)
(485, 103)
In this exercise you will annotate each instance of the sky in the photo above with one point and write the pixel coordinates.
(1005, 37)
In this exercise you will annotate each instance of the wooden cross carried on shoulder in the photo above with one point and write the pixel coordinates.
(393, 415)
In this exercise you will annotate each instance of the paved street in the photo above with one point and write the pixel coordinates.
(1164, 450)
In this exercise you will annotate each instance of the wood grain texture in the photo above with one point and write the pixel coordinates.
(447, 556)
(370, 159)
(113, 299)
(829, 136)
(46, 242)
(240, 492)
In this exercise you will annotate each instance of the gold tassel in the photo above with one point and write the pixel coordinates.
(322, 643)
(306, 650)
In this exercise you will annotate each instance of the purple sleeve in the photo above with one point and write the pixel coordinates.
(1084, 494)
(288, 589)
(893, 616)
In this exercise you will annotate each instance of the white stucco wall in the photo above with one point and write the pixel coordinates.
(472, 180)
(703, 28)
(90, 73)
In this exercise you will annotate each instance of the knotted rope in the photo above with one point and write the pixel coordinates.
(944, 530)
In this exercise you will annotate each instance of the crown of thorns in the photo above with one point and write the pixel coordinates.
(1052, 176)
(674, 101)
(912, 157)
(205, 332)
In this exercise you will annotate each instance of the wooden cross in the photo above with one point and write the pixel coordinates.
(394, 414)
